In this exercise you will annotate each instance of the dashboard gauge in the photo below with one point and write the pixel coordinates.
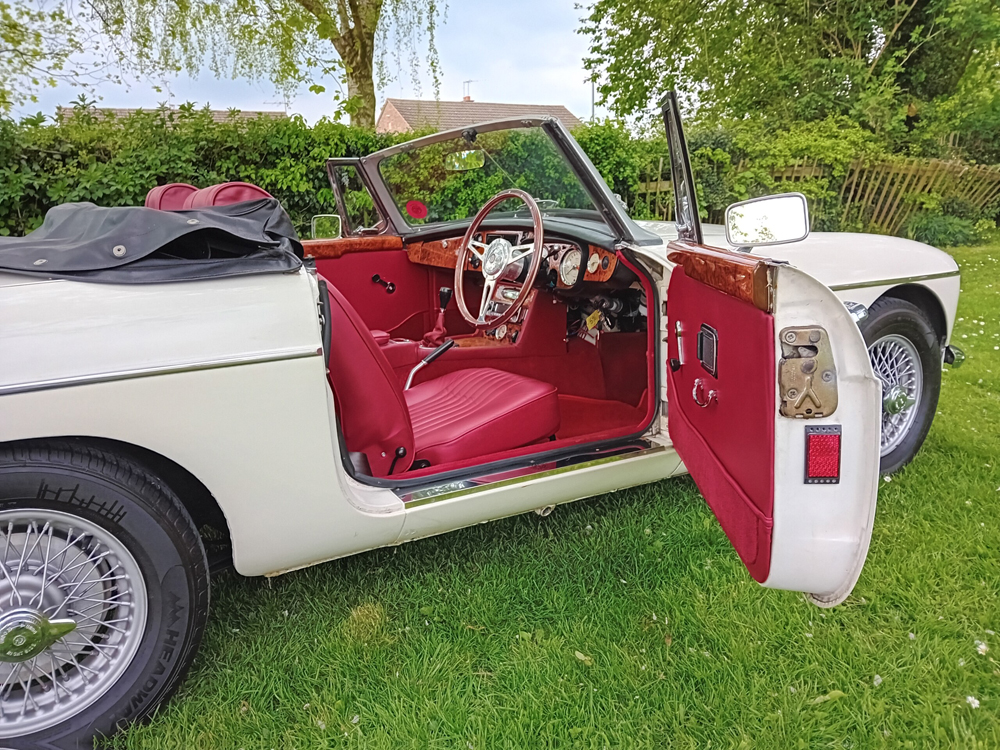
(569, 266)
(593, 263)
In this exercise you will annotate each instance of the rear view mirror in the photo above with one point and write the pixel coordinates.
(326, 227)
(771, 220)
(463, 161)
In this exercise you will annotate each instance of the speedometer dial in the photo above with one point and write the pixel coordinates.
(569, 266)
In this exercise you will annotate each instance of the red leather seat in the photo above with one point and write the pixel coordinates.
(462, 415)
(169, 197)
(224, 195)
(473, 412)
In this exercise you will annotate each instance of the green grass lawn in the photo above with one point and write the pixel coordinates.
(628, 621)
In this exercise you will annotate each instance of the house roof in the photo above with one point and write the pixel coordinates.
(218, 115)
(401, 115)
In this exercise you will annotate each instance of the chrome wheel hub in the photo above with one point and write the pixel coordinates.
(896, 400)
(25, 633)
(73, 609)
(896, 362)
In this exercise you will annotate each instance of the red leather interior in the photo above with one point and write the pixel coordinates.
(727, 446)
(373, 415)
(409, 311)
(169, 197)
(405, 313)
(471, 413)
(224, 195)
(381, 337)
(578, 367)
(598, 392)
(464, 415)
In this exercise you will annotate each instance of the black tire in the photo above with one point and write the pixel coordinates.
(148, 520)
(890, 316)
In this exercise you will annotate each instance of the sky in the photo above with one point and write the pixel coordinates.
(521, 51)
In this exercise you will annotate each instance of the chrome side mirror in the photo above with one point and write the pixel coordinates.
(326, 227)
(771, 220)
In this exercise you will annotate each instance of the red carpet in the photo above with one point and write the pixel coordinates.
(583, 416)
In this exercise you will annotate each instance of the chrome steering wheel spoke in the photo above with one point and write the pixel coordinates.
(478, 249)
(519, 252)
(489, 286)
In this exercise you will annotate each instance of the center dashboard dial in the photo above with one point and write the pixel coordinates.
(569, 266)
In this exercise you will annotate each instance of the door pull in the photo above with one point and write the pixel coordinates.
(699, 393)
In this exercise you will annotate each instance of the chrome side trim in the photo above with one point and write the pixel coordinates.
(893, 282)
(450, 490)
(213, 364)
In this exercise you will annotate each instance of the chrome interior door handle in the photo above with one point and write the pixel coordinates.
(698, 393)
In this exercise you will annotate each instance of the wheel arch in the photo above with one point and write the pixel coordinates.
(194, 495)
(927, 301)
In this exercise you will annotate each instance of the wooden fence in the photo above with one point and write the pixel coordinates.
(877, 197)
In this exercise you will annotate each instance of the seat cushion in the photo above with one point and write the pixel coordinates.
(479, 411)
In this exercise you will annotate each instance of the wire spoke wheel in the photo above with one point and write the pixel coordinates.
(896, 362)
(73, 609)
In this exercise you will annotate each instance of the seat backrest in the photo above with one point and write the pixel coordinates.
(225, 194)
(169, 197)
(373, 413)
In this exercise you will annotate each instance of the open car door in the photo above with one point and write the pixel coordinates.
(773, 405)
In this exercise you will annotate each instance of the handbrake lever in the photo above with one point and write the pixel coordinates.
(427, 360)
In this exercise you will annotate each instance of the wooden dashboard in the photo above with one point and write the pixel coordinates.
(443, 254)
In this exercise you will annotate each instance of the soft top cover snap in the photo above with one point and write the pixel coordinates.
(136, 245)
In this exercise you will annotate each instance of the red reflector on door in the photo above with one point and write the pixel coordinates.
(823, 454)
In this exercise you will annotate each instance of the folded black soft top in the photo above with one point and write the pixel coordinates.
(134, 245)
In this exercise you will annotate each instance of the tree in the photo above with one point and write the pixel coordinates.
(287, 42)
(877, 61)
(36, 46)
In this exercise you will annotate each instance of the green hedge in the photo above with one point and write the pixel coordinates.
(116, 161)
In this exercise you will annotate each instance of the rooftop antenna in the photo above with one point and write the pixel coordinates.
(467, 90)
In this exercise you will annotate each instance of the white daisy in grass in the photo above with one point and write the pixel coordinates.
(972, 701)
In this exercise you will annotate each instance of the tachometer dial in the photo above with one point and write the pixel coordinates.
(569, 266)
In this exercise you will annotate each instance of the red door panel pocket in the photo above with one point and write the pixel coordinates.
(728, 445)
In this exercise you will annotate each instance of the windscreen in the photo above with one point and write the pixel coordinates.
(452, 179)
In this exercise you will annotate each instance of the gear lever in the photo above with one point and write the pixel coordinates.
(437, 336)
(444, 296)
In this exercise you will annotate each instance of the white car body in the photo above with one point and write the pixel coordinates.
(138, 406)
(856, 267)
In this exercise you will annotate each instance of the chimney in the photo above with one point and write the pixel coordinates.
(466, 98)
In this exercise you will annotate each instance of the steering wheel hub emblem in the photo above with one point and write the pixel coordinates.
(497, 257)
(26, 632)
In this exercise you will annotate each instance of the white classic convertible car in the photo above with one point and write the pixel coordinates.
(185, 385)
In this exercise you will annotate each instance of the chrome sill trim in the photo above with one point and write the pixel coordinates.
(893, 282)
(211, 364)
(451, 490)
